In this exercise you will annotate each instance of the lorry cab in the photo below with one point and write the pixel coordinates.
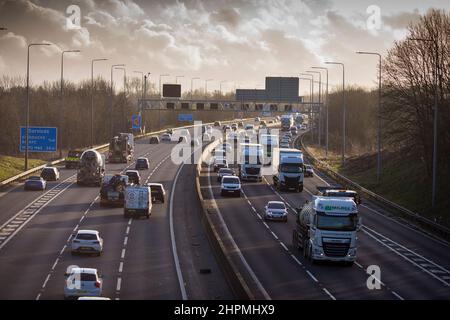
(289, 174)
(250, 161)
(326, 229)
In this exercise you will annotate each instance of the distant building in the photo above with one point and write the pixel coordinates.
(278, 89)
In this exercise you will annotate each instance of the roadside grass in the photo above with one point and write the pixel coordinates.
(403, 181)
(11, 166)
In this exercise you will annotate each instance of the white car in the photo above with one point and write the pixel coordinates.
(82, 282)
(166, 137)
(87, 241)
(219, 163)
(275, 210)
(230, 185)
(309, 171)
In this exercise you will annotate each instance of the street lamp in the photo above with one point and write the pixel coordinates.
(124, 79)
(206, 88)
(326, 138)
(62, 98)
(435, 120)
(28, 100)
(92, 98)
(160, 88)
(192, 84)
(379, 112)
(311, 101)
(320, 100)
(112, 92)
(343, 107)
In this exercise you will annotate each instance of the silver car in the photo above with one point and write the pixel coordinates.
(275, 210)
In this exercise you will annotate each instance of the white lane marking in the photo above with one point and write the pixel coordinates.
(274, 235)
(172, 237)
(32, 214)
(125, 241)
(127, 231)
(406, 258)
(397, 295)
(119, 283)
(121, 267)
(122, 256)
(311, 276)
(296, 260)
(230, 237)
(328, 293)
(284, 246)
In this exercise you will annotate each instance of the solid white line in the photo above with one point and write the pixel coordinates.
(406, 258)
(172, 238)
(238, 251)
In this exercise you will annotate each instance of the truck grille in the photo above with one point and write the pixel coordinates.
(291, 181)
(335, 249)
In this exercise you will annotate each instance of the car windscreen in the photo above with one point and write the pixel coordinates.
(35, 178)
(222, 171)
(230, 180)
(276, 206)
(86, 236)
(141, 161)
(48, 171)
(336, 223)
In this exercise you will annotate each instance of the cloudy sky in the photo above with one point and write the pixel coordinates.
(241, 41)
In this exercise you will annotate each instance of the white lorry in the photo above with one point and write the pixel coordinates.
(137, 201)
(250, 161)
(326, 230)
(289, 169)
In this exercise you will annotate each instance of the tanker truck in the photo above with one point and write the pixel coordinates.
(326, 230)
(91, 168)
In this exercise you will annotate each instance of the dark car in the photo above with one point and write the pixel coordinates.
(50, 174)
(142, 164)
(134, 176)
(158, 192)
(154, 140)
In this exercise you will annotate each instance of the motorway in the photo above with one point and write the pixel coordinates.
(169, 257)
(413, 264)
(139, 255)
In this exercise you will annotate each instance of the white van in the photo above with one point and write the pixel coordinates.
(137, 201)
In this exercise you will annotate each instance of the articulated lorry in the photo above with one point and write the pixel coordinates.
(289, 167)
(91, 168)
(250, 161)
(287, 121)
(326, 230)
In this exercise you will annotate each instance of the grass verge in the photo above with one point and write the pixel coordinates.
(11, 166)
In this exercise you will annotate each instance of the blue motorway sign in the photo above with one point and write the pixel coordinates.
(185, 117)
(136, 121)
(40, 139)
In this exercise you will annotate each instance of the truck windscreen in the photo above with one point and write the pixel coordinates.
(337, 223)
(291, 168)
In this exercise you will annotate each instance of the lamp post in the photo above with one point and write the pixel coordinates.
(435, 120)
(61, 111)
(327, 105)
(112, 92)
(160, 88)
(379, 112)
(311, 101)
(92, 98)
(28, 100)
(192, 84)
(343, 108)
(206, 88)
(124, 79)
(320, 109)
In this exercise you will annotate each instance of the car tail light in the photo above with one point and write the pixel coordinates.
(97, 284)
